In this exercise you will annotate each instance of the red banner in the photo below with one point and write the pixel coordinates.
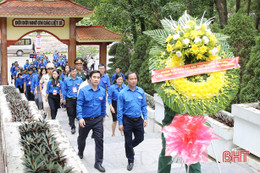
(194, 69)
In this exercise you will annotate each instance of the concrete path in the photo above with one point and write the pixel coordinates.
(146, 154)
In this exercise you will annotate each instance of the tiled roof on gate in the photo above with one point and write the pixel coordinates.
(43, 8)
(96, 33)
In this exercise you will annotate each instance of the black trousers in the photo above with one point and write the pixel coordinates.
(96, 125)
(54, 102)
(114, 115)
(71, 105)
(132, 127)
(29, 95)
(20, 88)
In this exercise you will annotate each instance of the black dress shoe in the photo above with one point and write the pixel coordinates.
(99, 167)
(73, 130)
(130, 166)
(80, 155)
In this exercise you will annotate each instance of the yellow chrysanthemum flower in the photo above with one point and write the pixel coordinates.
(203, 27)
(213, 39)
(191, 23)
(169, 47)
(194, 49)
(203, 49)
(169, 38)
(186, 35)
(178, 44)
(199, 56)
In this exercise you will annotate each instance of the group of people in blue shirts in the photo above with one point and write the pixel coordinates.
(84, 93)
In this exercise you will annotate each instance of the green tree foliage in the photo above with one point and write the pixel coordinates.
(139, 53)
(86, 51)
(123, 55)
(241, 30)
(250, 90)
(112, 61)
(145, 75)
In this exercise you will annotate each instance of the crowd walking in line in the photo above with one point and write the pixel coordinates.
(83, 92)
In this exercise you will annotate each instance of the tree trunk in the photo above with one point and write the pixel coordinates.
(132, 18)
(190, 8)
(257, 18)
(248, 7)
(141, 19)
(211, 8)
(237, 5)
(222, 12)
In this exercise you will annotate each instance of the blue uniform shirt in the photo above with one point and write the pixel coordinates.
(51, 88)
(26, 66)
(104, 82)
(113, 92)
(35, 81)
(71, 87)
(114, 77)
(63, 76)
(19, 82)
(14, 74)
(35, 64)
(28, 79)
(131, 103)
(41, 65)
(91, 103)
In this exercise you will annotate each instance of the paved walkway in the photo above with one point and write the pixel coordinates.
(146, 154)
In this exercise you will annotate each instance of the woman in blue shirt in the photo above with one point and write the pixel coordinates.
(65, 73)
(53, 93)
(112, 98)
(19, 82)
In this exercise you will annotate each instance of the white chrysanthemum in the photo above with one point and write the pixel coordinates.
(187, 27)
(209, 31)
(186, 41)
(197, 27)
(197, 40)
(214, 51)
(206, 39)
(178, 53)
(175, 36)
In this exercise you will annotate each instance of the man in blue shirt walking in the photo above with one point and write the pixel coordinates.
(71, 87)
(104, 80)
(91, 112)
(27, 65)
(131, 105)
(117, 72)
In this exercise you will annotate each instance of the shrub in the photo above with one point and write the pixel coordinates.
(122, 57)
(250, 90)
(241, 30)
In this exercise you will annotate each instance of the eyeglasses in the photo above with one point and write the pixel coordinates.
(50, 68)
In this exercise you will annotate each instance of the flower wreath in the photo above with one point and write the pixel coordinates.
(188, 41)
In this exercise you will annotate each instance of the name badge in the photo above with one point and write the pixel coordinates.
(74, 89)
(54, 92)
(29, 82)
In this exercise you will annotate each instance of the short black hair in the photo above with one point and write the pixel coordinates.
(30, 69)
(130, 72)
(118, 67)
(117, 76)
(72, 68)
(94, 71)
(100, 65)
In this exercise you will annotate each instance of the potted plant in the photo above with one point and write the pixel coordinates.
(222, 124)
